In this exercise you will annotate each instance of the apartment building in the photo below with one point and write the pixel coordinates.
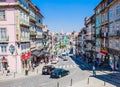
(15, 33)
(107, 14)
(114, 34)
(89, 38)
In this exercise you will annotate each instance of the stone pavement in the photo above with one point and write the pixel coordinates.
(92, 82)
(102, 74)
(13, 76)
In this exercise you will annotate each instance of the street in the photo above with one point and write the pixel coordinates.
(76, 74)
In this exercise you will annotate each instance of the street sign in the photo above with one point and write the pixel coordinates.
(12, 49)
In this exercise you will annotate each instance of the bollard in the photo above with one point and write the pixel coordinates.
(88, 81)
(104, 83)
(14, 74)
(71, 82)
(57, 84)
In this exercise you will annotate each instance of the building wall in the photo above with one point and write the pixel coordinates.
(9, 24)
(114, 26)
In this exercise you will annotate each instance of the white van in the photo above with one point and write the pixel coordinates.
(64, 56)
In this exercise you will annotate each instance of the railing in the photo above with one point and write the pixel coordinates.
(23, 22)
(104, 34)
(33, 33)
(113, 34)
(32, 45)
(21, 5)
(39, 36)
(5, 39)
(32, 18)
(98, 35)
(39, 24)
(23, 39)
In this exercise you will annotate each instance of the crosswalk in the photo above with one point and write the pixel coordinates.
(66, 66)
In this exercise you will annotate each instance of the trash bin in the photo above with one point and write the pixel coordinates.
(26, 72)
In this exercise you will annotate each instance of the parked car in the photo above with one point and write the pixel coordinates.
(46, 70)
(60, 56)
(54, 61)
(58, 73)
(64, 56)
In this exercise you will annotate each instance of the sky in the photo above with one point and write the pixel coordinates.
(65, 15)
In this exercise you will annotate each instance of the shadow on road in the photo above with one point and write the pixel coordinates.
(103, 74)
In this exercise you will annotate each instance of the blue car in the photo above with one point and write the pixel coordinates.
(58, 73)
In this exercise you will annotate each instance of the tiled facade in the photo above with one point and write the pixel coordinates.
(107, 34)
(20, 27)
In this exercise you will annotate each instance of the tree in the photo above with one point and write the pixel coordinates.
(63, 46)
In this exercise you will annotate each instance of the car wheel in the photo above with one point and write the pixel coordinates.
(59, 76)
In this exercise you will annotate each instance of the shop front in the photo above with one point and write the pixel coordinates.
(114, 59)
(26, 60)
(104, 60)
(37, 57)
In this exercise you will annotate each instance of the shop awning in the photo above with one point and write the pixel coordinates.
(104, 53)
(37, 53)
(26, 56)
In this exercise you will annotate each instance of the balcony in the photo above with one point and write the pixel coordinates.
(22, 6)
(39, 24)
(104, 35)
(85, 32)
(39, 36)
(114, 34)
(4, 40)
(32, 18)
(24, 23)
(24, 39)
(97, 35)
(32, 45)
(33, 33)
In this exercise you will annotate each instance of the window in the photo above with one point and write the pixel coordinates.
(2, 0)
(2, 14)
(3, 49)
(111, 14)
(118, 10)
(3, 33)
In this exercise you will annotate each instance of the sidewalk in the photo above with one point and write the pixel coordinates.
(13, 76)
(102, 74)
(92, 82)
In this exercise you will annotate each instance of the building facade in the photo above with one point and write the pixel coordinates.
(15, 34)
(107, 14)
(114, 34)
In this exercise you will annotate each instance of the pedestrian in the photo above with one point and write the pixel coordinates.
(3, 71)
(94, 71)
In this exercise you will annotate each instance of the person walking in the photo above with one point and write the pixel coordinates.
(94, 71)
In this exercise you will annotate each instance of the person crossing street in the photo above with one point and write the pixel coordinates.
(94, 71)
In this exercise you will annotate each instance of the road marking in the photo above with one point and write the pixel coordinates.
(66, 66)
(63, 66)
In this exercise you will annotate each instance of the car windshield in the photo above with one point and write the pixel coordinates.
(57, 70)
(63, 54)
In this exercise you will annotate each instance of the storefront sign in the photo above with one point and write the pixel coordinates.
(103, 52)
(26, 56)
(12, 49)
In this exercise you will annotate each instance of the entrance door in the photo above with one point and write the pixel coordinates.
(119, 64)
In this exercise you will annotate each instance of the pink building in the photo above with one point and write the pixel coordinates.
(14, 35)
